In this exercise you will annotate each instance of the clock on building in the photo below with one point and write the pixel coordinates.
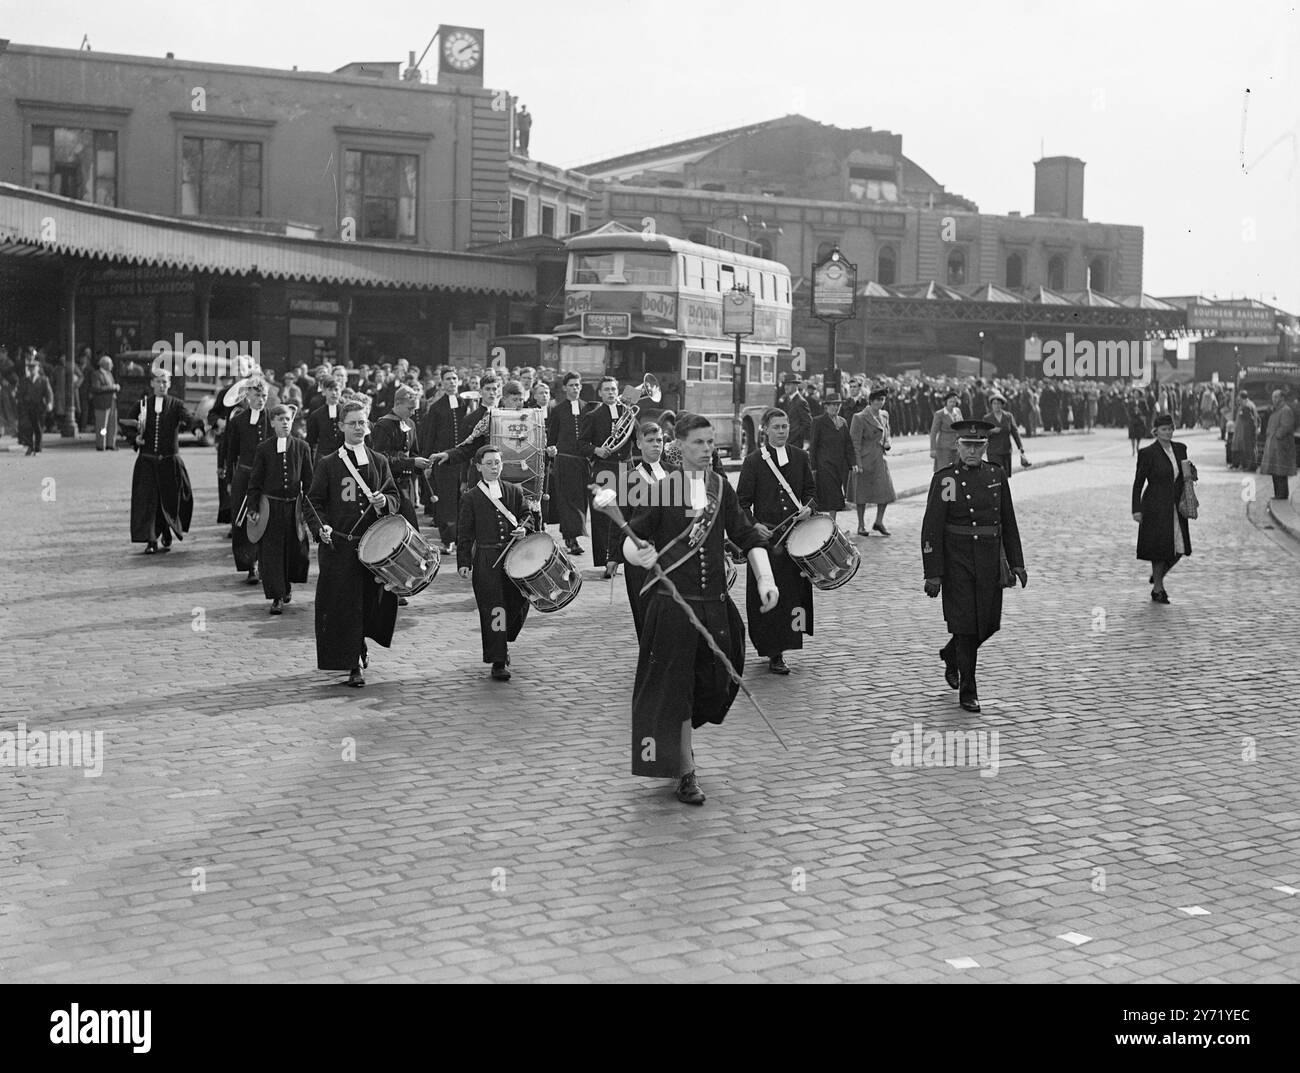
(462, 50)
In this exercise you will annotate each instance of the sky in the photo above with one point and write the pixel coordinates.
(1187, 112)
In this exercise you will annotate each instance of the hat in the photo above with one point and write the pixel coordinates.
(792, 378)
(972, 431)
(1162, 420)
(831, 398)
(997, 397)
(879, 393)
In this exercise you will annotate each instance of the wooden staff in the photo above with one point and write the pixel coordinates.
(606, 501)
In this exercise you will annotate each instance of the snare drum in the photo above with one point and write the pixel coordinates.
(542, 571)
(822, 552)
(397, 555)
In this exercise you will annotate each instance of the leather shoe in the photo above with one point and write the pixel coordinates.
(1160, 597)
(970, 704)
(573, 548)
(288, 598)
(401, 601)
(611, 571)
(776, 665)
(500, 672)
(355, 679)
(688, 790)
(252, 578)
(275, 608)
(880, 529)
(950, 674)
(151, 548)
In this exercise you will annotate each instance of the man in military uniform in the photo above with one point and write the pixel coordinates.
(969, 526)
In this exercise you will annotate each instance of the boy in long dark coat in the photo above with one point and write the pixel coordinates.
(569, 469)
(643, 490)
(162, 501)
(349, 491)
(323, 435)
(769, 503)
(444, 425)
(680, 683)
(483, 531)
(247, 428)
(606, 469)
(395, 438)
(282, 472)
(969, 525)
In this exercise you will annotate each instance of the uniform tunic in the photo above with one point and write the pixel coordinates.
(283, 552)
(483, 533)
(240, 444)
(869, 434)
(597, 423)
(350, 604)
(442, 428)
(677, 676)
(1163, 533)
(831, 455)
(760, 494)
(643, 489)
(323, 434)
(569, 468)
(395, 439)
(976, 500)
(162, 500)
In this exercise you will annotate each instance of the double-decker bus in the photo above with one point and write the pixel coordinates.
(653, 304)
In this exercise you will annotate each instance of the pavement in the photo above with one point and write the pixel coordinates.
(1123, 809)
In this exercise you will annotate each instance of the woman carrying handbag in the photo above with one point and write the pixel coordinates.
(1161, 485)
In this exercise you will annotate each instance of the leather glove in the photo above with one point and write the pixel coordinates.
(1022, 574)
(932, 586)
(642, 557)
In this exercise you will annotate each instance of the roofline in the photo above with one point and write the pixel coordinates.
(195, 226)
(333, 78)
(699, 141)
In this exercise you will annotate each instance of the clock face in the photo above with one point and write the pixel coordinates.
(462, 51)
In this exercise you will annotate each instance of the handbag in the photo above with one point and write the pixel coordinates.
(1188, 504)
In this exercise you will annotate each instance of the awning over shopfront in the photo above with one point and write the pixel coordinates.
(39, 227)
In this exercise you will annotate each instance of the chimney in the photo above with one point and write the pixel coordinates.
(1058, 187)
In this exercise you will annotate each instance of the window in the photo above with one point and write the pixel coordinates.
(1097, 275)
(548, 220)
(220, 177)
(643, 268)
(591, 268)
(872, 184)
(575, 222)
(1056, 273)
(887, 266)
(764, 249)
(694, 365)
(518, 217)
(1015, 271)
(710, 367)
(80, 164)
(726, 368)
(379, 193)
(956, 268)
(694, 272)
(711, 281)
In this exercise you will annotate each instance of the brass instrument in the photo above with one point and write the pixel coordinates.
(623, 427)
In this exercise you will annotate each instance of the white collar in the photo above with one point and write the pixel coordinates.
(333, 409)
(254, 416)
(281, 444)
(576, 405)
(656, 470)
(452, 401)
(157, 404)
(613, 409)
(697, 497)
(782, 455)
(359, 453)
(493, 488)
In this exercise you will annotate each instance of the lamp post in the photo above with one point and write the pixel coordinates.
(981, 376)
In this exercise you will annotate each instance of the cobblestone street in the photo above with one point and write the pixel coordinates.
(1135, 817)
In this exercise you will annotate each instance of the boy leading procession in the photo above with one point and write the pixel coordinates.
(281, 475)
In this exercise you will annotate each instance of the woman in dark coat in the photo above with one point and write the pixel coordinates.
(1163, 535)
(831, 454)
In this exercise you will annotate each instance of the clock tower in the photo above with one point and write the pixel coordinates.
(460, 56)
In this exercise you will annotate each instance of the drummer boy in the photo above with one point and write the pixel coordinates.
(493, 513)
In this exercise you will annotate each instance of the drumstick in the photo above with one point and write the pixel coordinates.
(608, 505)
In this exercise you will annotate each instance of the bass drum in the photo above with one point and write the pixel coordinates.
(542, 571)
(520, 436)
(397, 555)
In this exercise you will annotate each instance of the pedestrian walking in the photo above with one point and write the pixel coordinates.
(831, 453)
(103, 403)
(970, 548)
(869, 434)
(35, 401)
(1163, 534)
(162, 500)
(943, 441)
(1245, 433)
(1279, 461)
(282, 473)
(1003, 432)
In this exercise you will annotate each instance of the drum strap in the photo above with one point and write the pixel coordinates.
(347, 461)
(771, 464)
(505, 512)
